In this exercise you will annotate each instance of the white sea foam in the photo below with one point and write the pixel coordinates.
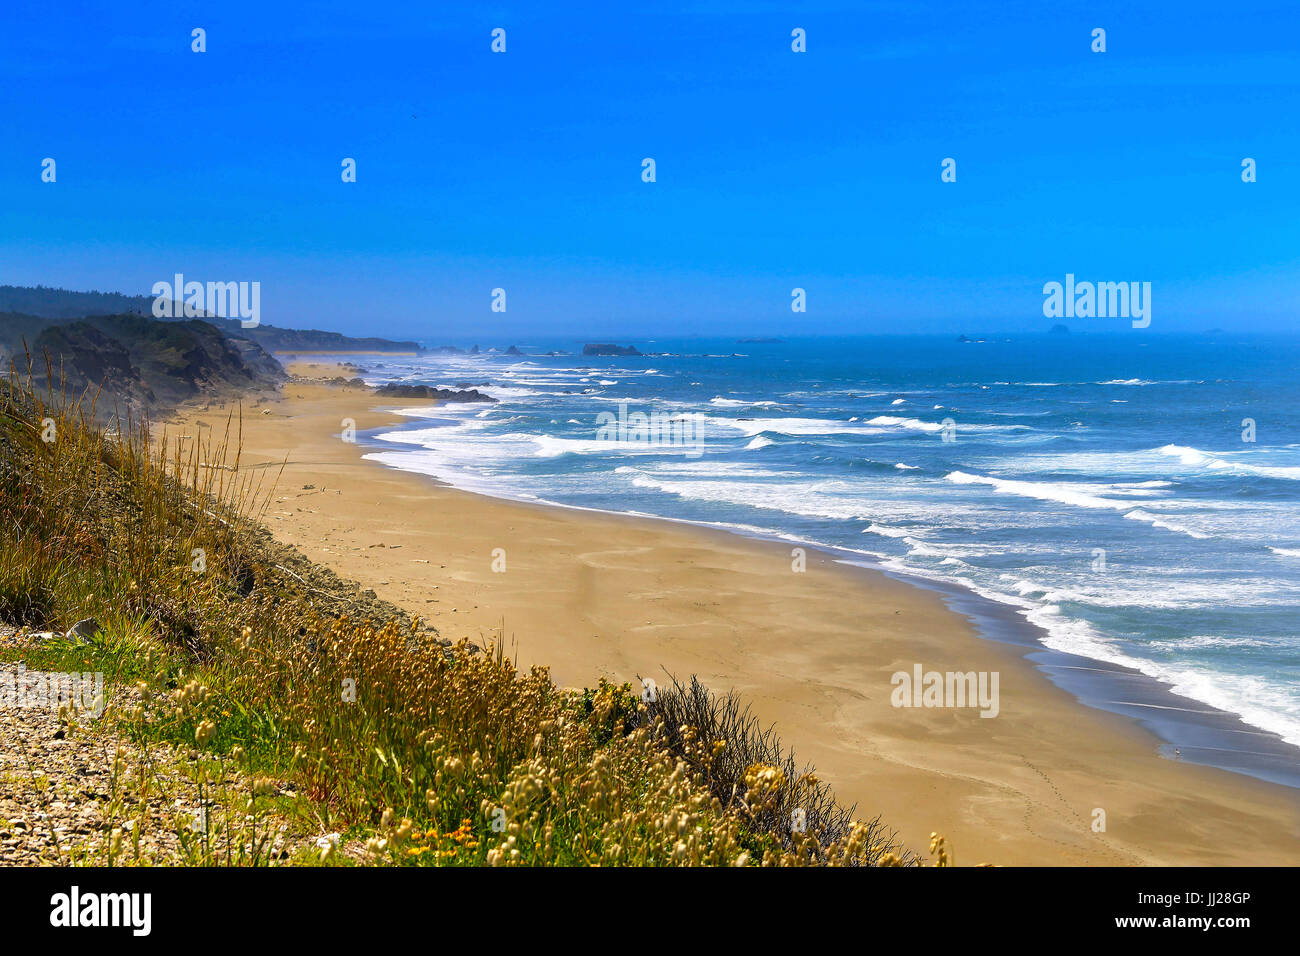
(709, 467)
(1113, 381)
(1199, 641)
(915, 424)
(912, 424)
(1075, 494)
(886, 532)
(742, 403)
(551, 446)
(1257, 701)
(1062, 492)
(1194, 457)
(926, 549)
(798, 498)
(795, 426)
(1137, 514)
(1135, 587)
(927, 516)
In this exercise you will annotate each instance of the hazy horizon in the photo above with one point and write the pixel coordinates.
(653, 342)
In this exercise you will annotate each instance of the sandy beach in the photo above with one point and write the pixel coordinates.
(591, 594)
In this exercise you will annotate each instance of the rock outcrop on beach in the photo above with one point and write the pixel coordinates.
(82, 357)
(608, 349)
(394, 390)
(138, 363)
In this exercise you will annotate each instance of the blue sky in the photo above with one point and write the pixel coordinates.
(774, 169)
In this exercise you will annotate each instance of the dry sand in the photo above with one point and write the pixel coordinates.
(592, 595)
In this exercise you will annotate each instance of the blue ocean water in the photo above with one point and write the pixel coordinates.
(1099, 484)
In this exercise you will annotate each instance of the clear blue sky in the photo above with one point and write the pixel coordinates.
(775, 169)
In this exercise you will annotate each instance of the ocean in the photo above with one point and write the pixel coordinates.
(1133, 495)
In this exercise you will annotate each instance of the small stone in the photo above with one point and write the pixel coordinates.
(84, 630)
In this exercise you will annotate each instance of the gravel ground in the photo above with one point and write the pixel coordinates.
(60, 799)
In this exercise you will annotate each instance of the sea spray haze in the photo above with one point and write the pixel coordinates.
(1134, 494)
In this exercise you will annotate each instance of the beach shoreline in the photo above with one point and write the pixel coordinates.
(593, 594)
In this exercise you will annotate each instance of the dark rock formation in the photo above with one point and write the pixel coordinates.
(394, 390)
(607, 349)
(143, 361)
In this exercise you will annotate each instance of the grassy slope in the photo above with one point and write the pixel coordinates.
(258, 666)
